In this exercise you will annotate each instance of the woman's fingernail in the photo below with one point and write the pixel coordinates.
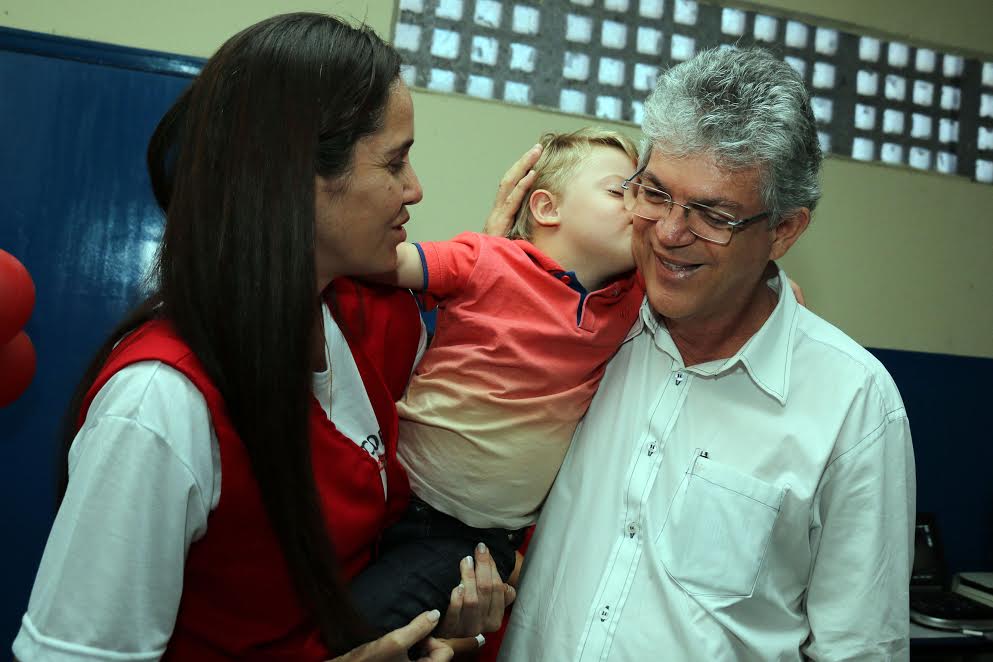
(434, 615)
(481, 548)
(468, 562)
(460, 588)
(537, 146)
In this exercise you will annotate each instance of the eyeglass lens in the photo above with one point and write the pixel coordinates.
(655, 205)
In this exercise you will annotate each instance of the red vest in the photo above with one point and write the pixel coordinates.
(238, 600)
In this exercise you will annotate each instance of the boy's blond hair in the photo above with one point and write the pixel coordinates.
(560, 156)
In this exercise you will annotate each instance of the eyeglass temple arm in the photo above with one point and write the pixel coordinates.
(628, 180)
(746, 221)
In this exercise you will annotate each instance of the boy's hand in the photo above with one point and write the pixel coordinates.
(513, 187)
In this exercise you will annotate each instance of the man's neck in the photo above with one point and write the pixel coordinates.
(703, 339)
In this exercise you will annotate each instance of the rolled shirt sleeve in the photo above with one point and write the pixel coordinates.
(448, 265)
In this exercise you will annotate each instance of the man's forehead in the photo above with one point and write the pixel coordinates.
(665, 160)
(702, 174)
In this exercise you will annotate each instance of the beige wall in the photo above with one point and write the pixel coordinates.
(897, 258)
(188, 27)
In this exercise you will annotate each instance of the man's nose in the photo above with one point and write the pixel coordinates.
(673, 229)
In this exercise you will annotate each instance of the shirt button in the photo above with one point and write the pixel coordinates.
(632, 529)
(652, 447)
(604, 613)
(679, 378)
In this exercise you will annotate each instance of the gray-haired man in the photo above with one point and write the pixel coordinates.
(742, 487)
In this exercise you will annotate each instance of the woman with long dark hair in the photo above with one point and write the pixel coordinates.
(230, 457)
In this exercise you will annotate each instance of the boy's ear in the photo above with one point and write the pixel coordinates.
(544, 208)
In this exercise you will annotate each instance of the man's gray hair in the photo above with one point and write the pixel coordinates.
(745, 108)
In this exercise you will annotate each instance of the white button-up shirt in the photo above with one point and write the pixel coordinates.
(759, 507)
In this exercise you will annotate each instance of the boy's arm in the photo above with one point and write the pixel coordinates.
(438, 268)
(409, 273)
(410, 267)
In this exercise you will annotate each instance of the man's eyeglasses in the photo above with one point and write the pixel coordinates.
(705, 222)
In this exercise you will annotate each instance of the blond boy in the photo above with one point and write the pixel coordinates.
(525, 326)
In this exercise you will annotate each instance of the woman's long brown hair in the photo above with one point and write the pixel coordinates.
(233, 163)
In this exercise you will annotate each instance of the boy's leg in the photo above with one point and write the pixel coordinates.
(407, 580)
(418, 566)
(415, 571)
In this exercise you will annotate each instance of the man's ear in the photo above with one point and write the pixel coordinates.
(787, 232)
(544, 208)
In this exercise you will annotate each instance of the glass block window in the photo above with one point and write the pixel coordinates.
(874, 100)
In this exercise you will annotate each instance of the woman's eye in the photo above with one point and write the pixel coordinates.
(615, 191)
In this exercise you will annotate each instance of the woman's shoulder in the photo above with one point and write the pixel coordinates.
(154, 343)
(145, 388)
(155, 398)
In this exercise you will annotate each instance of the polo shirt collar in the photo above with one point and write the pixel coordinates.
(767, 356)
(542, 260)
(623, 283)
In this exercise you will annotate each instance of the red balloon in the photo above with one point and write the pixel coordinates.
(16, 296)
(17, 366)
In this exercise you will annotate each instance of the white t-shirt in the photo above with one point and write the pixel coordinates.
(143, 482)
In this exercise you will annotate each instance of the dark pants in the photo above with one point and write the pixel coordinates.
(418, 565)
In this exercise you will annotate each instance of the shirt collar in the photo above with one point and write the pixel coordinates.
(620, 284)
(541, 259)
(767, 356)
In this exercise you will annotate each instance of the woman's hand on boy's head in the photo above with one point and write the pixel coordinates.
(797, 292)
(478, 602)
(772, 270)
(513, 187)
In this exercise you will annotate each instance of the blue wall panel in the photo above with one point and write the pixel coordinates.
(76, 209)
(947, 399)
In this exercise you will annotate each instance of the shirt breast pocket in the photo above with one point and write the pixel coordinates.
(715, 537)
